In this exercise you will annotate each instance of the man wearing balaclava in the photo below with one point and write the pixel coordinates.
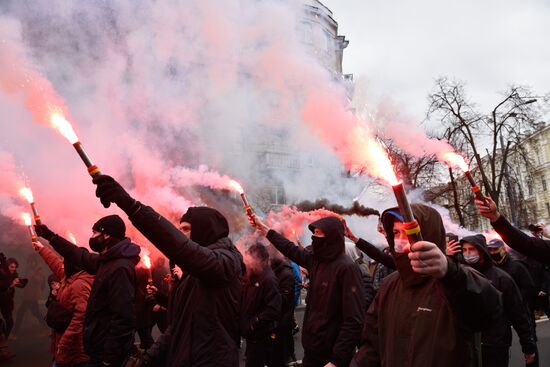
(204, 307)
(109, 327)
(426, 313)
(335, 300)
(496, 341)
(67, 310)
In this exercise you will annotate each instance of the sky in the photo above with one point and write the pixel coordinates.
(398, 48)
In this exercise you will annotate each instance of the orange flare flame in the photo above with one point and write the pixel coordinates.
(234, 185)
(27, 219)
(26, 192)
(63, 126)
(453, 159)
(146, 261)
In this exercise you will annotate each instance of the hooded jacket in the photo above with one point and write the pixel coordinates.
(285, 278)
(260, 306)
(204, 304)
(431, 322)
(110, 322)
(515, 312)
(521, 277)
(73, 294)
(335, 301)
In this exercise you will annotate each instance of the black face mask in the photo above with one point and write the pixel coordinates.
(97, 244)
(497, 257)
(318, 244)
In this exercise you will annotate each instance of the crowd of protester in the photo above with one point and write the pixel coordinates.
(442, 301)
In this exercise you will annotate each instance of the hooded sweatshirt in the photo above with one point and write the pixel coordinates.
(418, 320)
(204, 304)
(335, 300)
(108, 326)
(515, 312)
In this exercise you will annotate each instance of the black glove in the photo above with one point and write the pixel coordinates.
(109, 191)
(43, 231)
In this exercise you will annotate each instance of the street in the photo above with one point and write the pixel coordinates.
(31, 346)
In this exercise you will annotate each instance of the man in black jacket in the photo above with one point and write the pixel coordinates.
(260, 309)
(9, 280)
(335, 302)
(496, 341)
(284, 342)
(204, 305)
(110, 321)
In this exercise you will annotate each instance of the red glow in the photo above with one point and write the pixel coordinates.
(453, 159)
(63, 126)
(234, 185)
(146, 261)
(26, 192)
(72, 238)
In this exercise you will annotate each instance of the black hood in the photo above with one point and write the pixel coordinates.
(480, 243)
(334, 245)
(207, 225)
(123, 249)
(429, 219)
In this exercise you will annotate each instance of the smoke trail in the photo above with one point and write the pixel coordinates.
(355, 209)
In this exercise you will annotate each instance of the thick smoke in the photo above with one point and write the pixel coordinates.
(355, 209)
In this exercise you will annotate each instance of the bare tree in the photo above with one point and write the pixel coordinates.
(494, 133)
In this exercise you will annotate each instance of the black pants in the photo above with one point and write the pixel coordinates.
(260, 353)
(28, 305)
(543, 304)
(7, 313)
(312, 359)
(495, 356)
(145, 337)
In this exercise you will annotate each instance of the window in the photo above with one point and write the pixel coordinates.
(543, 182)
(548, 208)
(277, 195)
(308, 33)
(530, 187)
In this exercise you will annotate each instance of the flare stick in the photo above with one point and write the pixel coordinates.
(92, 168)
(412, 228)
(247, 207)
(37, 219)
(475, 188)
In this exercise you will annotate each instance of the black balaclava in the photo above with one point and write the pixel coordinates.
(207, 225)
(432, 229)
(328, 248)
(112, 225)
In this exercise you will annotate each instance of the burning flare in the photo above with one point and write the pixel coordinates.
(64, 127)
(27, 219)
(26, 192)
(235, 186)
(71, 236)
(146, 261)
(453, 159)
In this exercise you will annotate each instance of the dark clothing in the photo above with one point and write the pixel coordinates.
(285, 278)
(380, 273)
(537, 248)
(204, 307)
(7, 294)
(515, 311)
(429, 322)
(260, 306)
(375, 253)
(521, 277)
(109, 325)
(495, 356)
(262, 352)
(335, 302)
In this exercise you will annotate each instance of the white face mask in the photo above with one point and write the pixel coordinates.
(400, 245)
(471, 259)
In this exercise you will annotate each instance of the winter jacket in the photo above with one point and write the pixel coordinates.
(285, 278)
(515, 312)
(144, 305)
(521, 277)
(335, 302)
(353, 252)
(204, 305)
(534, 247)
(110, 320)
(260, 306)
(7, 293)
(73, 294)
(375, 253)
(297, 282)
(430, 323)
